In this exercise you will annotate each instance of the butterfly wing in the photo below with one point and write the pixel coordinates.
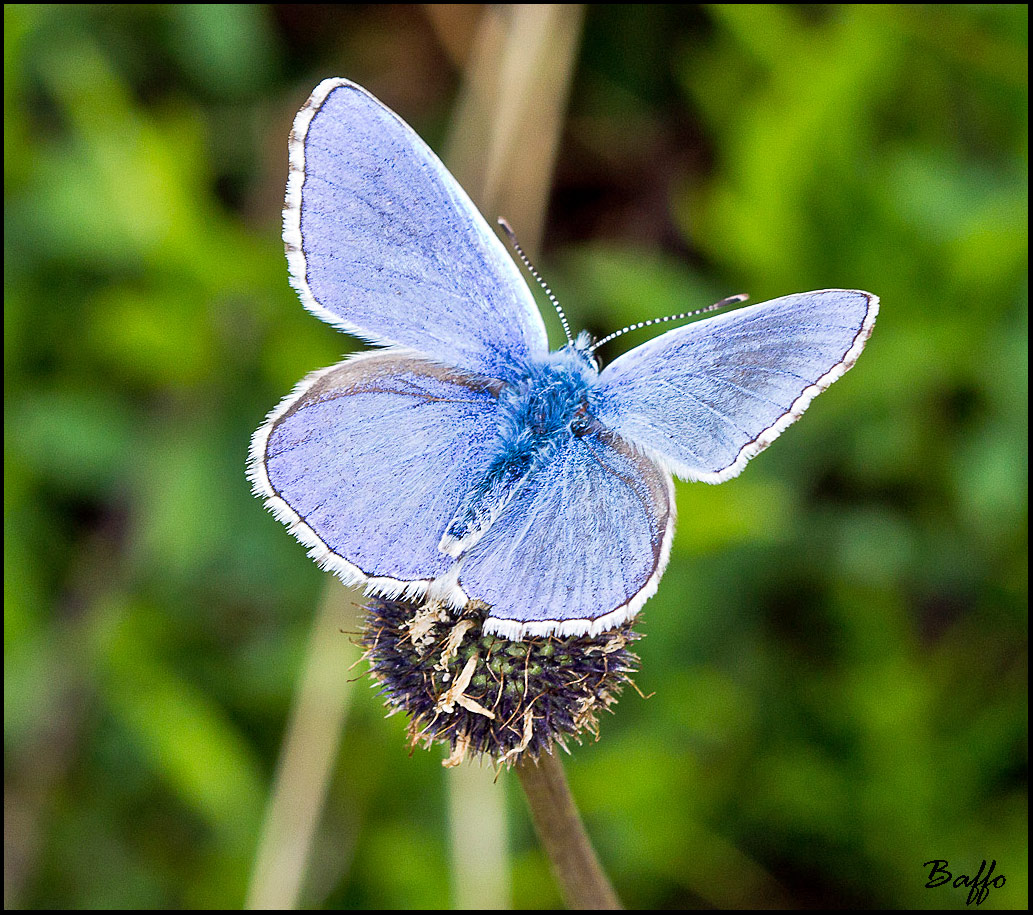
(708, 397)
(582, 545)
(367, 460)
(383, 242)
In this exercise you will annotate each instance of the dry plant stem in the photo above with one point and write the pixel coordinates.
(556, 818)
(307, 755)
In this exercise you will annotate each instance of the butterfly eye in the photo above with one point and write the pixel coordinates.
(580, 422)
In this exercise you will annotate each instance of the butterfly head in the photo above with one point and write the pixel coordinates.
(581, 348)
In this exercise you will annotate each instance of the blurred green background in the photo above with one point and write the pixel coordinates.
(837, 654)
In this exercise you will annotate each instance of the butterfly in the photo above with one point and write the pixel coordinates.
(462, 460)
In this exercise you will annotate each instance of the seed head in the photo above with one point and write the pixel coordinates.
(482, 694)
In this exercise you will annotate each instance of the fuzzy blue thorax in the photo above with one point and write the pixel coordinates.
(551, 402)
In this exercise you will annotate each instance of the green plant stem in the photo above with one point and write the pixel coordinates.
(582, 881)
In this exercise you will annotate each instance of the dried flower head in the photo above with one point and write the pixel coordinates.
(482, 694)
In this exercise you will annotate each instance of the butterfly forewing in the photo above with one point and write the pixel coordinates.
(384, 243)
(707, 397)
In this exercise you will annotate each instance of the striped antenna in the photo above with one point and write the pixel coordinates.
(511, 235)
(731, 300)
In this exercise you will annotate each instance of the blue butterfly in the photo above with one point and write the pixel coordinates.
(465, 461)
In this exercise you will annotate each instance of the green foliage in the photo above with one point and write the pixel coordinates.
(836, 656)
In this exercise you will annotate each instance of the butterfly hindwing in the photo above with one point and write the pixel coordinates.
(384, 243)
(708, 397)
(367, 461)
(581, 546)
